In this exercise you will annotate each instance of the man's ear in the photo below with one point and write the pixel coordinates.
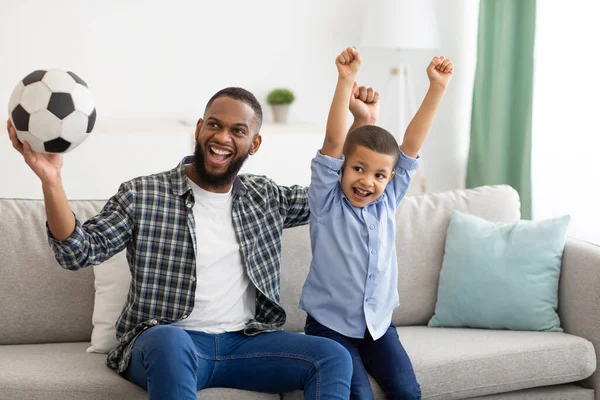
(256, 141)
(198, 127)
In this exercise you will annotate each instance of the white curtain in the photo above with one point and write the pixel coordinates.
(566, 115)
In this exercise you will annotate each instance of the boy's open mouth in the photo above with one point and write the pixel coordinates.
(361, 194)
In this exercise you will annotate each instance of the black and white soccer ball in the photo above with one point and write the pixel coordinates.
(53, 110)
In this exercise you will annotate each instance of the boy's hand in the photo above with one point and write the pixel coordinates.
(348, 63)
(364, 104)
(440, 71)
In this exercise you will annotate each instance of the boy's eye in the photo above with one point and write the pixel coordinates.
(358, 169)
(380, 176)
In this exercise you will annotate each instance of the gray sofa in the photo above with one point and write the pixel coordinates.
(46, 312)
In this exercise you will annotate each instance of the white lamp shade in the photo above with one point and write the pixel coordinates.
(400, 24)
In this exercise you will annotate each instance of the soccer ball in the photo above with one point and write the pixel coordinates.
(53, 110)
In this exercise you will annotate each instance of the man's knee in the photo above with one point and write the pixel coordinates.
(164, 340)
(335, 357)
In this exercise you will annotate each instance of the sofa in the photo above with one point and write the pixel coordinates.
(46, 314)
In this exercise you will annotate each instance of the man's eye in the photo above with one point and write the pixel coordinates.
(238, 131)
(212, 124)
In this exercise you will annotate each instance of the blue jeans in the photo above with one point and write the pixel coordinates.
(385, 359)
(172, 363)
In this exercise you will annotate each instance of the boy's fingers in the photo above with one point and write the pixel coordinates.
(355, 89)
(376, 97)
(340, 60)
(346, 56)
(356, 55)
(370, 95)
(362, 93)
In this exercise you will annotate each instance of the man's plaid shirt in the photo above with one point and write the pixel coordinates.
(152, 218)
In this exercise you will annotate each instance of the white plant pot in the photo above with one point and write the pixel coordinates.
(280, 113)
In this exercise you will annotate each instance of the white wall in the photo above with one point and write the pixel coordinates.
(146, 60)
(566, 133)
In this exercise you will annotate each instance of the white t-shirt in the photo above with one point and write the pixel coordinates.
(225, 297)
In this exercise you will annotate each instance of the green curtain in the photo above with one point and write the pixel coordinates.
(500, 149)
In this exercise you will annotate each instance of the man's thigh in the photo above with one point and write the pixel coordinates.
(271, 362)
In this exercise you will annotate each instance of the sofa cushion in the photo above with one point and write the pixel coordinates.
(40, 301)
(462, 363)
(557, 392)
(422, 222)
(501, 275)
(66, 372)
(455, 363)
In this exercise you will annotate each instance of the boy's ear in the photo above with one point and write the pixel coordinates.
(392, 176)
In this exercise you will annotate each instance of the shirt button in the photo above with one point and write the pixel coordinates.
(190, 205)
(371, 227)
(373, 251)
(368, 300)
(184, 316)
(371, 276)
(154, 322)
(193, 279)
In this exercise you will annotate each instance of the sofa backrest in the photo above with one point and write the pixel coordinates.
(41, 303)
(421, 225)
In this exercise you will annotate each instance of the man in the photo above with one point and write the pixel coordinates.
(204, 247)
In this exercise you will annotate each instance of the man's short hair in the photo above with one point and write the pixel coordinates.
(372, 137)
(238, 93)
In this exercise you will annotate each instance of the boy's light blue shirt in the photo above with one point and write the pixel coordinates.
(353, 278)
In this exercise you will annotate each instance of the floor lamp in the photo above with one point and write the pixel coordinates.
(401, 26)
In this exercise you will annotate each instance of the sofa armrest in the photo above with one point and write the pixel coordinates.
(579, 297)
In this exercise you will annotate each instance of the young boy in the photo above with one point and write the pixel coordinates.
(355, 189)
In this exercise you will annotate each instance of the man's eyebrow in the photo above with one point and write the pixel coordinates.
(242, 124)
(217, 120)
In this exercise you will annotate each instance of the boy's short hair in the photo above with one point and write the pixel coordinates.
(372, 137)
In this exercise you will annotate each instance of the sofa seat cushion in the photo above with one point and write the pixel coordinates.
(455, 363)
(462, 363)
(66, 372)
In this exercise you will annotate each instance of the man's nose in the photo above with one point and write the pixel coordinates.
(223, 135)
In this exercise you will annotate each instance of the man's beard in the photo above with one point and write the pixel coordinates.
(216, 180)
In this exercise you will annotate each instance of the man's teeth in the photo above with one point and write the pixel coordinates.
(220, 152)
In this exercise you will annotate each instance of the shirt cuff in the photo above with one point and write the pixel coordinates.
(72, 242)
(334, 164)
(407, 163)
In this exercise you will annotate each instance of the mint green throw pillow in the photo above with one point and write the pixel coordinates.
(501, 275)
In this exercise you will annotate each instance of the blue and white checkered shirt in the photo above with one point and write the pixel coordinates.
(152, 217)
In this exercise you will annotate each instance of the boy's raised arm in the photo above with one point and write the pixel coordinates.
(348, 63)
(439, 72)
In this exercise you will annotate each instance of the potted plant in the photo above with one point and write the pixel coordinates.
(280, 100)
